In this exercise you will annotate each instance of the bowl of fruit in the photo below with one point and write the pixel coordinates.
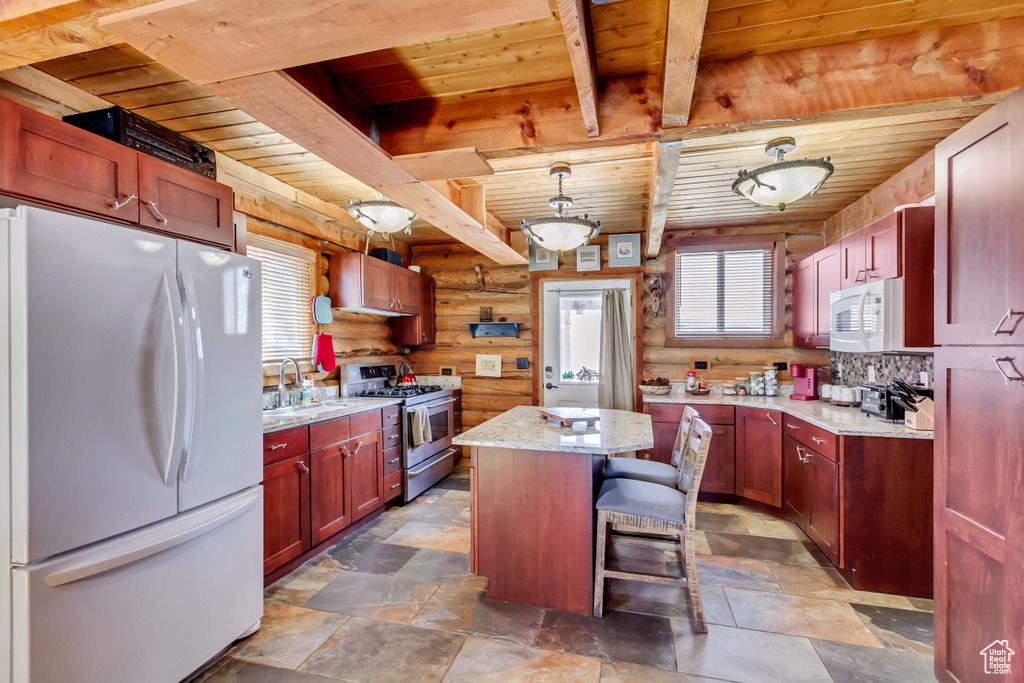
(655, 387)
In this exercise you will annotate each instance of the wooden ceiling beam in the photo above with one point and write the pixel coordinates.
(925, 70)
(663, 178)
(217, 40)
(281, 102)
(446, 164)
(683, 35)
(580, 41)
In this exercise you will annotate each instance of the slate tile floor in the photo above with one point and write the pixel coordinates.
(396, 602)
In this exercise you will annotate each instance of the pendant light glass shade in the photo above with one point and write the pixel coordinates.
(382, 215)
(783, 182)
(560, 233)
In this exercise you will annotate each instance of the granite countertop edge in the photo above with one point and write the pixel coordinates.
(803, 410)
(520, 446)
(357, 405)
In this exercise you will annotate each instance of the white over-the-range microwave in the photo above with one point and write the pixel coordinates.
(868, 318)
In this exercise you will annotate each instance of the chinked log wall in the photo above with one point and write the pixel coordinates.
(507, 290)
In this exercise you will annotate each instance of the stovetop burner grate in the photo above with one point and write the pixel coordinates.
(399, 392)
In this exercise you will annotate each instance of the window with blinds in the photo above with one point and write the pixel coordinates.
(724, 293)
(288, 277)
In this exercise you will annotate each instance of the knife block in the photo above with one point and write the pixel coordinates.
(924, 419)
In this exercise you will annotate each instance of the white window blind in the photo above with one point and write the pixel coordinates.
(724, 293)
(288, 273)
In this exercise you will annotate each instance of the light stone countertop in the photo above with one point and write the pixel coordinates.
(836, 419)
(309, 414)
(443, 381)
(523, 428)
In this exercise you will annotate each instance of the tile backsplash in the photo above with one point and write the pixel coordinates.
(907, 367)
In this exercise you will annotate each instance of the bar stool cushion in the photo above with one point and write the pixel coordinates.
(642, 499)
(641, 470)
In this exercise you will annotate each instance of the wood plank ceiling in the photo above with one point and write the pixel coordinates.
(611, 180)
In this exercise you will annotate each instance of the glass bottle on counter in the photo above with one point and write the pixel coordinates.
(756, 384)
(771, 381)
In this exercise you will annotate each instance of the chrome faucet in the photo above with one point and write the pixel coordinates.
(282, 387)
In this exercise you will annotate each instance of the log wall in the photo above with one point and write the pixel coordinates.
(460, 293)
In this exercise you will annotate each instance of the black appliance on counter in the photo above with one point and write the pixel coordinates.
(889, 402)
(150, 138)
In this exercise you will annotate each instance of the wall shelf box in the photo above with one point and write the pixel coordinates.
(494, 329)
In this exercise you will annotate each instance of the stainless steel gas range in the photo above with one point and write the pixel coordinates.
(427, 463)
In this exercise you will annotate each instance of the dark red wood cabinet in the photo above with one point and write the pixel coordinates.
(883, 256)
(803, 302)
(310, 497)
(285, 511)
(720, 469)
(362, 282)
(793, 498)
(815, 278)
(407, 291)
(979, 392)
(811, 494)
(48, 161)
(420, 328)
(851, 260)
(759, 455)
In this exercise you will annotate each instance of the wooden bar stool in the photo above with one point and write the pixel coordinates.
(651, 470)
(667, 513)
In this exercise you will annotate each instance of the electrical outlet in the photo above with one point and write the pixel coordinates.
(700, 364)
(871, 374)
(780, 365)
(839, 370)
(522, 363)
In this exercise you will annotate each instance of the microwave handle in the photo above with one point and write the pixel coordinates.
(860, 317)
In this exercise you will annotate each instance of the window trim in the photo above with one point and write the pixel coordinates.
(299, 251)
(775, 243)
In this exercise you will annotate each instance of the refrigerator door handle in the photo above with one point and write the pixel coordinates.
(99, 562)
(169, 470)
(197, 372)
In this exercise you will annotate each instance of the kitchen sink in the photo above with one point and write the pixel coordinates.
(293, 410)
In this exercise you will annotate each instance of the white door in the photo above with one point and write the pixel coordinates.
(571, 334)
(152, 605)
(223, 439)
(97, 381)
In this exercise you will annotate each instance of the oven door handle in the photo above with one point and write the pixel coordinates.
(438, 404)
(432, 460)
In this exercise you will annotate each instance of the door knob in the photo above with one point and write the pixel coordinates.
(549, 385)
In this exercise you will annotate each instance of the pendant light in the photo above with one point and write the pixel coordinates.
(382, 215)
(783, 182)
(560, 233)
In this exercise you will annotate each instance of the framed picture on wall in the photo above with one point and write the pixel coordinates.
(542, 259)
(588, 258)
(623, 251)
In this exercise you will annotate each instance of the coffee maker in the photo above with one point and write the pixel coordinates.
(805, 382)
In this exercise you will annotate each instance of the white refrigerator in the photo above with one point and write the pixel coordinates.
(131, 514)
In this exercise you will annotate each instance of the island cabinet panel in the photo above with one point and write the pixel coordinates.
(533, 526)
(759, 455)
(180, 202)
(45, 159)
(331, 507)
(286, 511)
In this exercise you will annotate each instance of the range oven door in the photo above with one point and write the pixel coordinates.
(442, 429)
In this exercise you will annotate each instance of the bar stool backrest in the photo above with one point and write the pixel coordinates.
(691, 471)
(683, 435)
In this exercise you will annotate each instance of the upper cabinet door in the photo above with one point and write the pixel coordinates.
(53, 162)
(803, 302)
(408, 291)
(182, 203)
(979, 241)
(882, 258)
(378, 288)
(853, 268)
(826, 280)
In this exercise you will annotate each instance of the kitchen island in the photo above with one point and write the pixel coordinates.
(533, 488)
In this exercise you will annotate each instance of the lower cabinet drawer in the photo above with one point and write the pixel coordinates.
(666, 412)
(392, 437)
(392, 415)
(716, 415)
(817, 439)
(392, 461)
(285, 444)
(393, 485)
(364, 423)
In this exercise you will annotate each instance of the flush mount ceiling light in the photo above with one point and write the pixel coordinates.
(560, 233)
(783, 182)
(382, 215)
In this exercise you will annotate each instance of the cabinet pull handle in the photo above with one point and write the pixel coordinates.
(1010, 313)
(303, 466)
(278, 446)
(800, 454)
(792, 426)
(395, 486)
(772, 419)
(817, 440)
(399, 302)
(1006, 378)
(117, 206)
(424, 336)
(392, 461)
(393, 436)
(156, 211)
(807, 339)
(862, 275)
